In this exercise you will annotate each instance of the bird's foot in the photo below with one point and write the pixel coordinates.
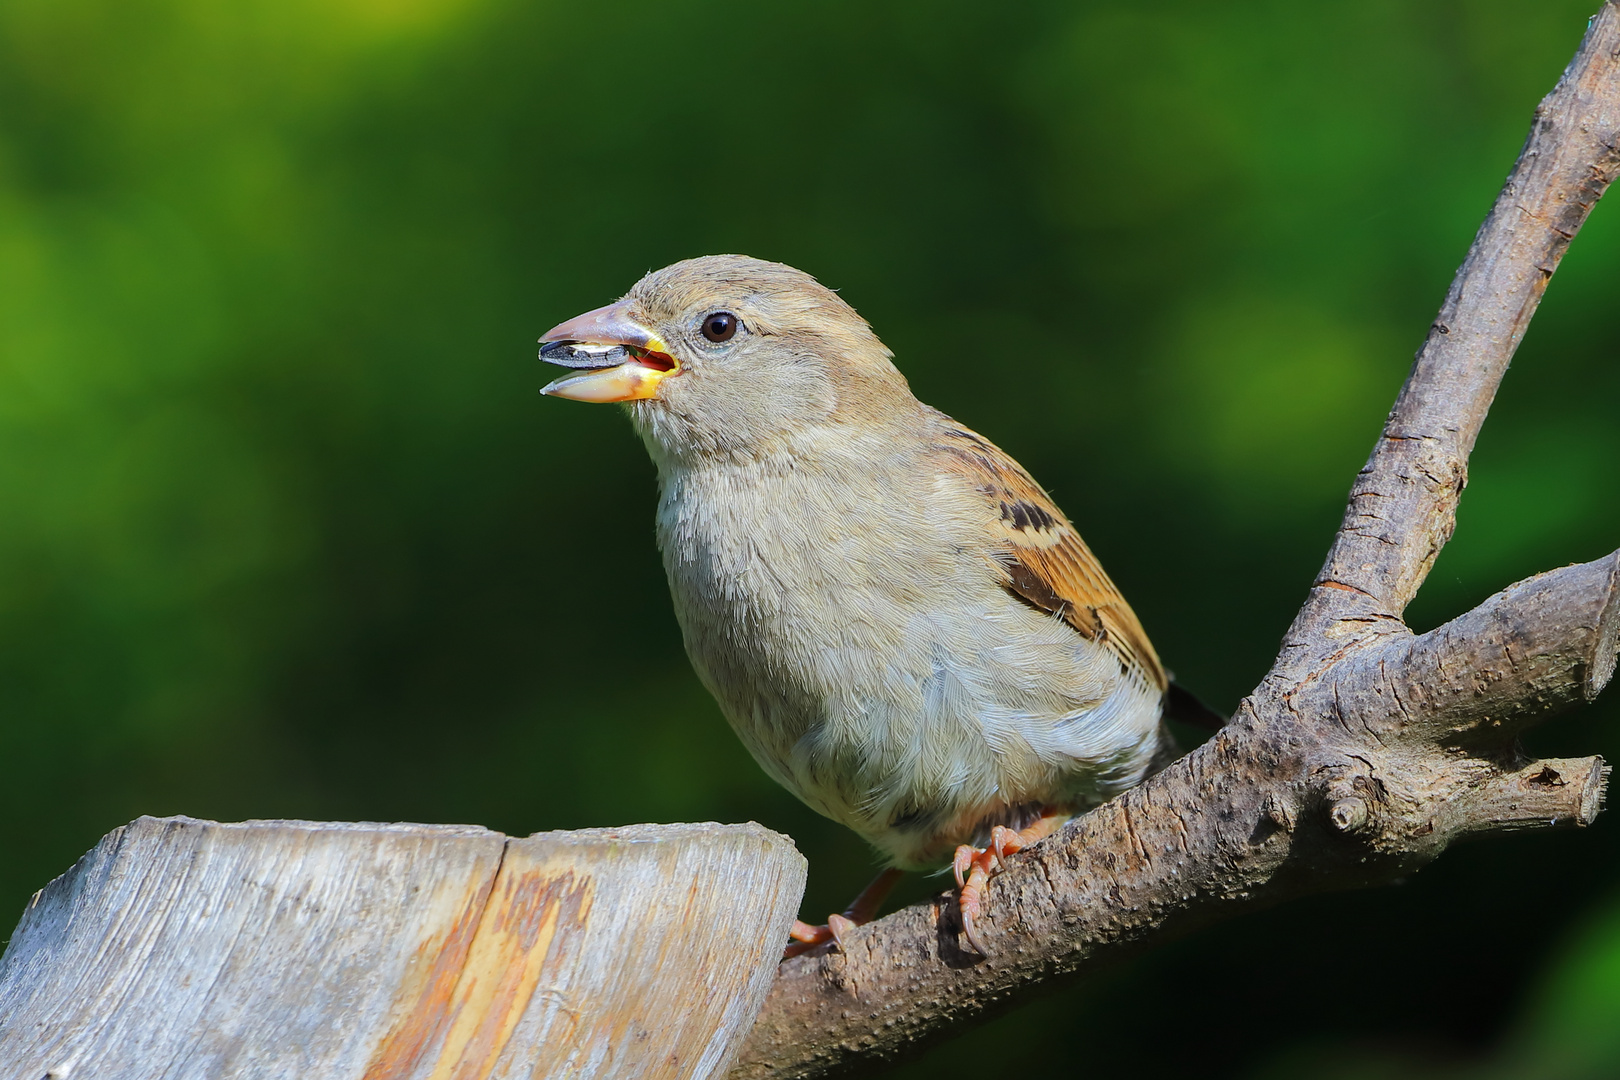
(973, 867)
(806, 937)
(860, 911)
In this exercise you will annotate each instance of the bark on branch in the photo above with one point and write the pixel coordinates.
(1365, 750)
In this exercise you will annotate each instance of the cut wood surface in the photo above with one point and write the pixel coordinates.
(180, 948)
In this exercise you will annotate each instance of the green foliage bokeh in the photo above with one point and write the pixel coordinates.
(285, 530)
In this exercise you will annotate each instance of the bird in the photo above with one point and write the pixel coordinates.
(897, 621)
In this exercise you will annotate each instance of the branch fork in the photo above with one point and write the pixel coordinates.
(1363, 753)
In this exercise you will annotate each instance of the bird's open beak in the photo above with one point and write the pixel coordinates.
(627, 361)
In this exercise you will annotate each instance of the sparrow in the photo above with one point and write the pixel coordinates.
(898, 622)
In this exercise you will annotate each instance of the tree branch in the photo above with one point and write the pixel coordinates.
(1365, 750)
(1532, 649)
(1403, 505)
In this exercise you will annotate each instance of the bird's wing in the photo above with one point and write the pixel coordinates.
(1041, 556)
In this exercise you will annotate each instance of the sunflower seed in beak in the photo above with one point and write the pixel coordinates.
(576, 354)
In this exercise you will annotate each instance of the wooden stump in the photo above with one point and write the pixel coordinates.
(180, 948)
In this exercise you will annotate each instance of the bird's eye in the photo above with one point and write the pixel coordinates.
(721, 326)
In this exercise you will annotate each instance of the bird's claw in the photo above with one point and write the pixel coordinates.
(973, 866)
(806, 937)
(861, 911)
(977, 864)
(803, 937)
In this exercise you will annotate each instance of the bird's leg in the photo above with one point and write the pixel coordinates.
(861, 910)
(973, 866)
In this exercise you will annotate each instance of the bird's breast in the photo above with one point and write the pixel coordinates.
(871, 664)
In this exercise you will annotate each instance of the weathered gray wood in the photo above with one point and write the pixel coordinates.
(182, 949)
(1363, 752)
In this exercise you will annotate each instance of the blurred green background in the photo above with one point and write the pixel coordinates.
(285, 530)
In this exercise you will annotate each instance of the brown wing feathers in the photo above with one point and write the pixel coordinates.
(1047, 564)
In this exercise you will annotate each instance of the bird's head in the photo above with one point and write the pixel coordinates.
(726, 354)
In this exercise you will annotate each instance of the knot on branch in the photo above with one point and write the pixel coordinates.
(1348, 815)
(1413, 739)
(1410, 802)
